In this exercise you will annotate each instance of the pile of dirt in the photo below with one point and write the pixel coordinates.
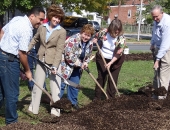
(134, 56)
(63, 103)
(130, 111)
(139, 56)
(127, 112)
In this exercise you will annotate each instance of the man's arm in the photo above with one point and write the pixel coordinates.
(1, 34)
(24, 62)
(165, 45)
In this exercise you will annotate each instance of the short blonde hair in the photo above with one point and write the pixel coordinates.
(55, 11)
(88, 28)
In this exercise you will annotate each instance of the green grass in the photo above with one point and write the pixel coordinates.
(133, 75)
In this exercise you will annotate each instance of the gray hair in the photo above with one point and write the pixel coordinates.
(157, 7)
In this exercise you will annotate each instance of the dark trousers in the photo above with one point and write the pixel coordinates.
(103, 75)
(9, 86)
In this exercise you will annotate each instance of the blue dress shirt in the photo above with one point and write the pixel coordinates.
(161, 35)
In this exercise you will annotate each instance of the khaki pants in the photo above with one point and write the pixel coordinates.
(163, 72)
(55, 82)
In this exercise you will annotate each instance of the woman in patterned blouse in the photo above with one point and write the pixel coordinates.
(76, 57)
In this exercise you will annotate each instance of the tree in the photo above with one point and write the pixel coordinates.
(164, 3)
(99, 6)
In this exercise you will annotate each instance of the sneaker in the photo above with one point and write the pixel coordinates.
(30, 110)
(55, 112)
(75, 106)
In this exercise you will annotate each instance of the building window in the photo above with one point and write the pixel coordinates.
(129, 13)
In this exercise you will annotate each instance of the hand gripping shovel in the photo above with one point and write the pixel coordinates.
(160, 90)
(52, 103)
(88, 71)
(65, 80)
(108, 70)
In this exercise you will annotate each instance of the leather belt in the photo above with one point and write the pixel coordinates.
(6, 53)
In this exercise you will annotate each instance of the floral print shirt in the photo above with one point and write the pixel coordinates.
(72, 52)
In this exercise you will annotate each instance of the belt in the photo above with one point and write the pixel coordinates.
(6, 53)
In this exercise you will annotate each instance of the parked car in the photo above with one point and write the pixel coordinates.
(72, 31)
(72, 21)
(95, 24)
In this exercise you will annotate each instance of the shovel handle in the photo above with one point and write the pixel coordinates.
(40, 87)
(108, 70)
(43, 91)
(88, 71)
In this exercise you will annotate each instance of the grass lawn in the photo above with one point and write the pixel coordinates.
(133, 75)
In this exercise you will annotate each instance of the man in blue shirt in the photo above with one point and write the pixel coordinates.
(15, 38)
(160, 46)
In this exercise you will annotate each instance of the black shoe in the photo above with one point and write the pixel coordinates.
(75, 106)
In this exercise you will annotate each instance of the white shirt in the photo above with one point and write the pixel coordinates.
(108, 47)
(17, 35)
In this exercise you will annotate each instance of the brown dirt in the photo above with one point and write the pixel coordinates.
(64, 104)
(132, 111)
(133, 56)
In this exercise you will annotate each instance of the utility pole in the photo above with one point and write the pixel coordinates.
(140, 18)
(119, 8)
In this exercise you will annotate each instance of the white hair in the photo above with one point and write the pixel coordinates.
(157, 7)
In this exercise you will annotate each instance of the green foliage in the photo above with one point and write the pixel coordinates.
(164, 3)
(116, 2)
(22, 5)
(99, 6)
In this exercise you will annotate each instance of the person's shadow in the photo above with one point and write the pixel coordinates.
(88, 92)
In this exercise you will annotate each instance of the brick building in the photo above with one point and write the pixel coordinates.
(126, 13)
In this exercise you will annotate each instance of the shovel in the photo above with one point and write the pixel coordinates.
(52, 103)
(88, 71)
(68, 82)
(108, 70)
(157, 78)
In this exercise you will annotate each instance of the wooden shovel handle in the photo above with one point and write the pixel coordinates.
(88, 71)
(52, 102)
(108, 70)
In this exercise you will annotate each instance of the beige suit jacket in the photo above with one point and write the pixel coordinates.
(53, 48)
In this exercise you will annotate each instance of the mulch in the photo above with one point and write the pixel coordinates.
(132, 111)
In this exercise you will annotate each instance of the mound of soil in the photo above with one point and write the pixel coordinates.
(134, 111)
(127, 112)
(140, 56)
(63, 103)
(134, 56)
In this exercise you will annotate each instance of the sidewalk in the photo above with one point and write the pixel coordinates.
(138, 42)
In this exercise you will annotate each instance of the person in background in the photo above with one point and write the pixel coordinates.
(160, 47)
(51, 37)
(112, 43)
(15, 38)
(76, 57)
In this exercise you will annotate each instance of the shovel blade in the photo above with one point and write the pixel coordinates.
(70, 83)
